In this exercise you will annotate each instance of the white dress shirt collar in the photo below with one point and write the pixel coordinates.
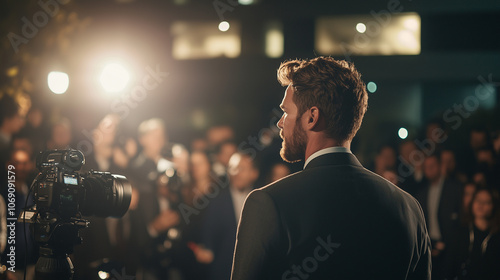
(324, 151)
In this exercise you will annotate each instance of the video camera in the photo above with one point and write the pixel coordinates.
(62, 196)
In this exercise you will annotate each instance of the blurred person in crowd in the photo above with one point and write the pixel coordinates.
(202, 183)
(180, 158)
(478, 138)
(385, 159)
(21, 141)
(144, 168)
(467, 194)
(333, 198)
(487, 161)
(449, 167)
(391, 176)
(106, 238)
(36, 128)
(278, 170)
(24, 175)
(201, 173)
(410, 167)
(482, 176)
(217, 135)
(441, 203)
(156, 219)
(198, 193)
(486, 157)
(496, 142)
(434, 131)
(475, 253)
(223, 214)
(199, 144)
(124, 152)
(160, 232)
(11, 122)
(155, 229)
(103, 143)
(60, 136)
(222, 153)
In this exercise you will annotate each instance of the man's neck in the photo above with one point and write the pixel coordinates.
(323, 143)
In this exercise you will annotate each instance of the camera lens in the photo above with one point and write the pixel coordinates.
(106, 195)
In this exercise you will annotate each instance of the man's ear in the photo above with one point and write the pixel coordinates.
(311, 118)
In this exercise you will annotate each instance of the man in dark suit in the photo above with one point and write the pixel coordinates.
(223, 214)
(440, 200)
(334, 219)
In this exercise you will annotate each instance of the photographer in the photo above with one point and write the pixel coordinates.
(155, 214)
(106, 242)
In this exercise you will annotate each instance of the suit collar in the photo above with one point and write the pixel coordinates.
(336, 149)
(334, 159)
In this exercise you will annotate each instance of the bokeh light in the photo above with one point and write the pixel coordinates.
(114, 77)
(224, 26)
(371, 87)
(245, 2)
(403, 133)
(103, 275)
(361, 27)
(58, 82)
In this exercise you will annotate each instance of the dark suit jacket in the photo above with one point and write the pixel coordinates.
(219, 234)
(449, 208)
(333, 220)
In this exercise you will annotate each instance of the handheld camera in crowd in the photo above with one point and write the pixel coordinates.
(62, 197)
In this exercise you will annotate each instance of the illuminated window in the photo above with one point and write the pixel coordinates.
(387, 34)
(201, 40)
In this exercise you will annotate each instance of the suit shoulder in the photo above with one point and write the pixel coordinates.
(279, 185)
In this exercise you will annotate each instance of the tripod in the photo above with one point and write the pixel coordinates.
(56, 244)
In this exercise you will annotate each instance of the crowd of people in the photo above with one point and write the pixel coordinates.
(458, 193)
(186, 201)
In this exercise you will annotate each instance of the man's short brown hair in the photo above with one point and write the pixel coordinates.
(334, 86)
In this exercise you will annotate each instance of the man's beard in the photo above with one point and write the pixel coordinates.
(293, 149)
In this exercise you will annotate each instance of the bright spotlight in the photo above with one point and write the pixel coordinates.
(58, 82)
(372, 87)
(361, 27)
(224, 26)
(114, 77)
(403, 133)
(245, 2)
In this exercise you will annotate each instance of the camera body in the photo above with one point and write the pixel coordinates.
(62, 191)
(62, 197)
(60, 188)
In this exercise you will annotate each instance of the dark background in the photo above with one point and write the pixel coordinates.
(460, 45)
